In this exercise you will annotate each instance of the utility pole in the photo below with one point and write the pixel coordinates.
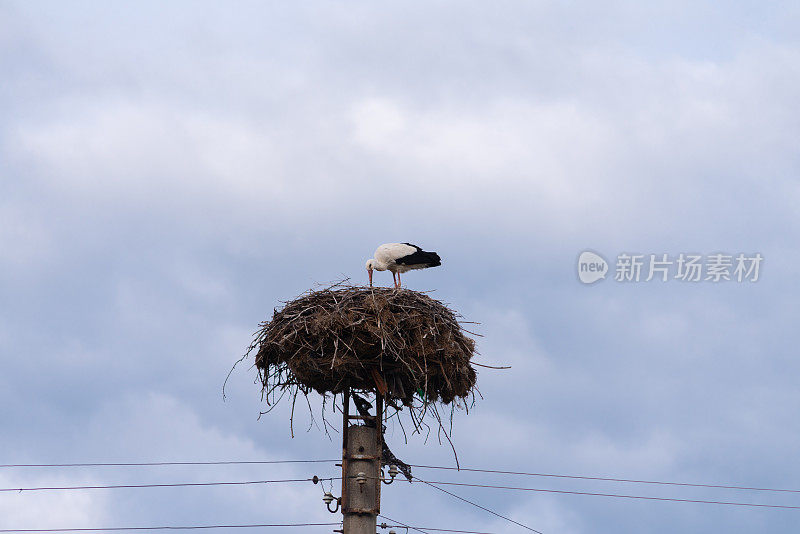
(362, 445)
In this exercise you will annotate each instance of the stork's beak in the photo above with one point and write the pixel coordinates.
(370, 277)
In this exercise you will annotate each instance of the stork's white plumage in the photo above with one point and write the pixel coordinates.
(400, 258)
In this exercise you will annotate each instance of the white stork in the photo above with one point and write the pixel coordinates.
(400, 258)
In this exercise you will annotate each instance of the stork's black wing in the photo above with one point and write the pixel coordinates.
(420, 257)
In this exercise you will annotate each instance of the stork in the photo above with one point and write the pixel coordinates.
(400, 258)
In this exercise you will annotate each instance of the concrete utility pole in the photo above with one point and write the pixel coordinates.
(362, 445)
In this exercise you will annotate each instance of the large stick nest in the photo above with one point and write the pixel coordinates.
(371, 339)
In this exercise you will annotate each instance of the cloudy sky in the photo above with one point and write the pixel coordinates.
(169, 172)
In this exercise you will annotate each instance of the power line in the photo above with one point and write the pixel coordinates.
(423, 529)
(402, 524)
(171, 527)
(607, 479)
(144, 464)
(475, 470)
(700, 501)
(172, 485)
(262, 525)
(479, 506)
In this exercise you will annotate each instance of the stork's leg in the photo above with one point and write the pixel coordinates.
(394, 278)
(399, 283)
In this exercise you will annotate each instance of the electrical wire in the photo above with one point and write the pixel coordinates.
(700, 501)
(479, 506)
(263, 525)
(424, 529)
(418, 529)
(475, 470)
(170, 527)
(607, 479)
(144, 464)
(173, 485)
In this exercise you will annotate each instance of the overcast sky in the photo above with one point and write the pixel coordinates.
(169, 172)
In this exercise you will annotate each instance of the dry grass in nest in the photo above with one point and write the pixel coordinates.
(367, 339)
